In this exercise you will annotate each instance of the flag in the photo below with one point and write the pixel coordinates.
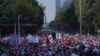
(50, 38)
(58, 36)
(47, 40)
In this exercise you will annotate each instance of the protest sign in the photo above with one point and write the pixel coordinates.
(15, 39)
(32, 39)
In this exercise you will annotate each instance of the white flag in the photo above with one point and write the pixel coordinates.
(58, 36)
(50, 38)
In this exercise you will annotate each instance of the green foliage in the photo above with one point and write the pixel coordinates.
(66, 20)
(97, 22)
(28, 8)
(90, 11)
(17, 7)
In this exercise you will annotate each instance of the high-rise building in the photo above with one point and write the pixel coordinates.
(65, 3)
(57, 5)
(62, 3)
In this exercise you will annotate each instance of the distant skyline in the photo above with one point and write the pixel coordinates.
(62, 4)
(58, 5)
(67, 2)
(49, 10)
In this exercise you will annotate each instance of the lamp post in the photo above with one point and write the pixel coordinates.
(15, 29)
(80, 18)
(19, 23)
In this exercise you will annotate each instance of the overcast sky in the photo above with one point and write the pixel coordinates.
(50, 9)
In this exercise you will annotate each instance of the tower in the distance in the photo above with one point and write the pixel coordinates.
(65, 3)
(57, 5)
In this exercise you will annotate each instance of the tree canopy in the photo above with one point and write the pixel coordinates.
(69, 18)
(66, 19)
(30, 9)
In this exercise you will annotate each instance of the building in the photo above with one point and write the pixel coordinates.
(65, 3)
(57, 5)
(62, 4)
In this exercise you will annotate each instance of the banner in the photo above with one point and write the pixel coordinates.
(15, 40)
(33, 39)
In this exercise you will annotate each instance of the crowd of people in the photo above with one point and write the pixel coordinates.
(62, 45)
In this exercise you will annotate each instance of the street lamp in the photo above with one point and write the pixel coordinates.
(15, 29)
(19, 23)
(80, 18)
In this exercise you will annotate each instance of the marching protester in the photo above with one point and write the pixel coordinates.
(57, 44)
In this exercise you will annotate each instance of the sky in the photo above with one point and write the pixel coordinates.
(49, 10)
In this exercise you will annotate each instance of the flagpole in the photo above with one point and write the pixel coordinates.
(80, 18)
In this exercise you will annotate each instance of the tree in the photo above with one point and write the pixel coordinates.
(96, 9)
(29, 10)
(1, 2)
(97, 23)
(66, 20)
(90, 11)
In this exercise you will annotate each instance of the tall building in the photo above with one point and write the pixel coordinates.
(57, 5)
(65, 3)
(62, 3)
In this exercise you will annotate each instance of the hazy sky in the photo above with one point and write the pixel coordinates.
(50, 9)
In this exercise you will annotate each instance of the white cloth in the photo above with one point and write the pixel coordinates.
(29, 38)
(33, 39)
(58, 36)
(50, 38)
(73, 54)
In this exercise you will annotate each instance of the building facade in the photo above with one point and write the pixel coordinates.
(62, 3)
(65, 3)
(57, 5)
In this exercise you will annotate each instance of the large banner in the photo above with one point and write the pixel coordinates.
(15, 40)
(32, 39)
